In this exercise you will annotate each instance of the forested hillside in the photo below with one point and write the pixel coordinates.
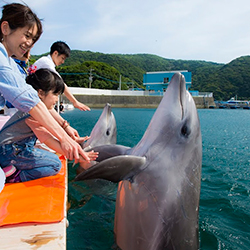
(224, 80)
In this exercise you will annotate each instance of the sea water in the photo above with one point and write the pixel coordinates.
(225, 184)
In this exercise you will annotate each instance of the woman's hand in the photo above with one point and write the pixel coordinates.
(72, 150)
(72, 133)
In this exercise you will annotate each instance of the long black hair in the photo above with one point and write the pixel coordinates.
(46, 80)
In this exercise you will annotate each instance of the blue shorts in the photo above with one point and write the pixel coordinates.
(33, 162)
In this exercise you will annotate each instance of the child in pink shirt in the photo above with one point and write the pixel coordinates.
(19, 135)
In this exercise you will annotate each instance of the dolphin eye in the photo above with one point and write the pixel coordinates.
(107, 132)
(185, 130)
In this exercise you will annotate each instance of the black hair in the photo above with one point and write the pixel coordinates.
(61, 47)
(46, 80)
(18, 16)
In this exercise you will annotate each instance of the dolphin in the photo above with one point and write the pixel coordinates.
(103, 133)
(157, 203)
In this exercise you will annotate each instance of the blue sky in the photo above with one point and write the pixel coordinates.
(209, 30)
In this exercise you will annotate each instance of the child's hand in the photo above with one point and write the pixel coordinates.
(91, 154)
(82, 139)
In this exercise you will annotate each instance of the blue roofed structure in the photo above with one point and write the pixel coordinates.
(157, 82)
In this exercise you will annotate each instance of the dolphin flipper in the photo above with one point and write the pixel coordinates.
(108, 151)
(115, 169)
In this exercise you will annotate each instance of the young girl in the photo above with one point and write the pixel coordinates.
(19, 134)
(20, 28)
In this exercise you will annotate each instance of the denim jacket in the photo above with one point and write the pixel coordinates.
(13, 87)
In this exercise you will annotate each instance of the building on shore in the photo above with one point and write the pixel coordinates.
(157, 82)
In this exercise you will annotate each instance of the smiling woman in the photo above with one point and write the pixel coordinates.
(20, 23)
(24, 36)
(20, 28)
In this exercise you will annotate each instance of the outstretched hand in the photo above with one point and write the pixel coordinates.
(81, 106)
(82, 139)
(92, 155)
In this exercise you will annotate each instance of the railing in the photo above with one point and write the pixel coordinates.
(92, 91)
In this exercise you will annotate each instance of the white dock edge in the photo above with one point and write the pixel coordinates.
(50, 236)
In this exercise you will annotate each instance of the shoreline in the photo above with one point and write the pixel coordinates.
(99, 101)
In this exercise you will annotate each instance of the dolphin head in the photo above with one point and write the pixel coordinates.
(175, 122)
(104, 131)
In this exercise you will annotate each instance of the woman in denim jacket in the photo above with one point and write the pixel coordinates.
(20, 28)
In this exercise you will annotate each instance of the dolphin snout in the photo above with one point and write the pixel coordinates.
(182, 95)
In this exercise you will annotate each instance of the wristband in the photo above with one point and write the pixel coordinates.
(65, 124)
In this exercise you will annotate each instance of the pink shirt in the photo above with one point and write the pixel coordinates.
(41, 132)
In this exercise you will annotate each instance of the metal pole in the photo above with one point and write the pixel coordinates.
(90, 77)
(120, 83)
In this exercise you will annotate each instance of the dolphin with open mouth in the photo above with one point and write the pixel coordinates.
(103, 133)
(157, 204)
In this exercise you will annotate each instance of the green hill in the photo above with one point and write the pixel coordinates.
(224, 80)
